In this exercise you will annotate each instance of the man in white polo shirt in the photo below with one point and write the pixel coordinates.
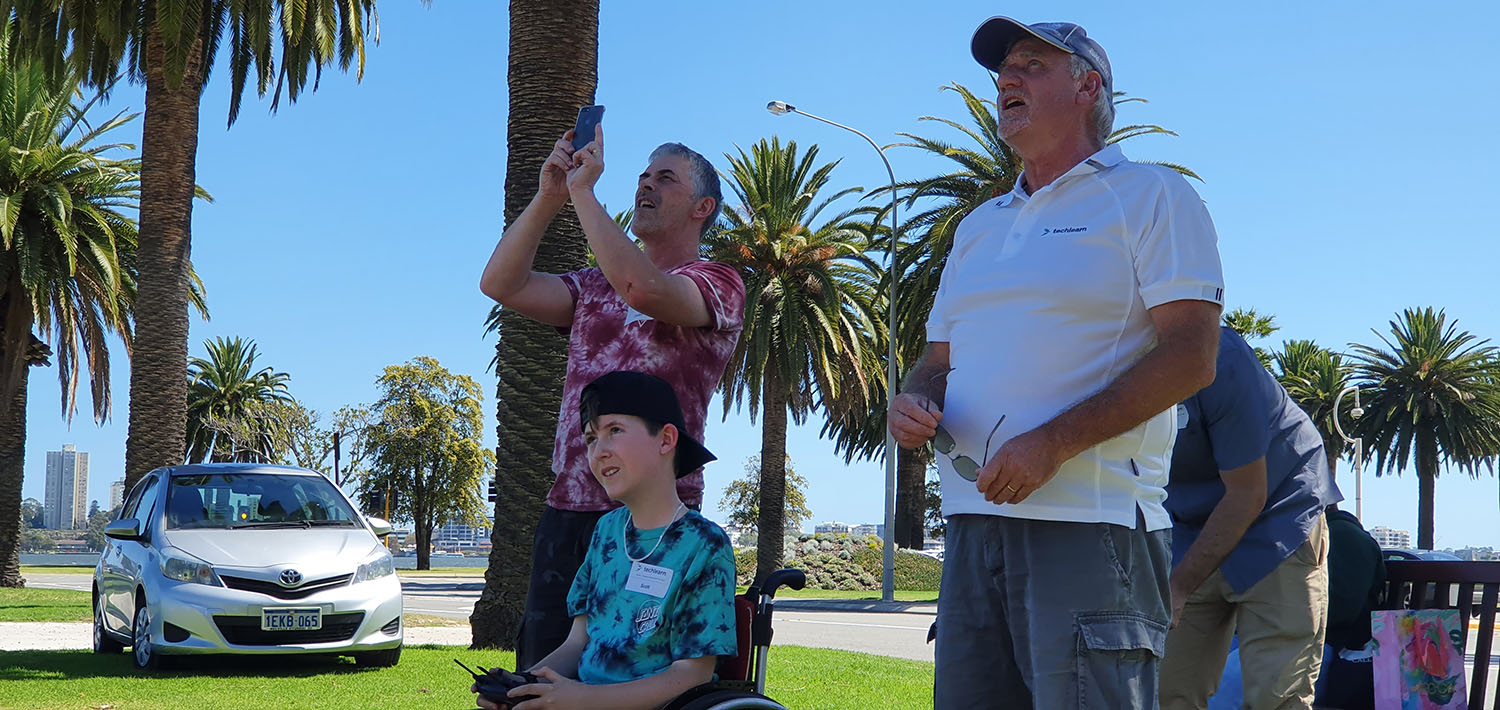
(1074, 313)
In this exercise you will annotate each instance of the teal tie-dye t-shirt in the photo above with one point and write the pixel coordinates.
(635, 634)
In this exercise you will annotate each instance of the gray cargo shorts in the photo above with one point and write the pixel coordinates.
(1053, 615)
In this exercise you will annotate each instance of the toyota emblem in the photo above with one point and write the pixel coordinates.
(291, 578)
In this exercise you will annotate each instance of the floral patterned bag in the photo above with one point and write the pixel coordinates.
(1419, 662)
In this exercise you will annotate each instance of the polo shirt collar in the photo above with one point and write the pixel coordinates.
(1109, 156)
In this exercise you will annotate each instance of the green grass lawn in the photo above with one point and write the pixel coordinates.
(50, 569)
(901, 595)
(802, 678)
(43, 605)
(443, 571)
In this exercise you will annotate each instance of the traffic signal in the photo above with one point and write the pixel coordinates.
(492, 490)
(377, 502)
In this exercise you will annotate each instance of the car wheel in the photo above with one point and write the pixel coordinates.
(145, 655)
(103, 642)
(379, 659)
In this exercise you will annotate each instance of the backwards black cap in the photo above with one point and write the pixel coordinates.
(638, 394)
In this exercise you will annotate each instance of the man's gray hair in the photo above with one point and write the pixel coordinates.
(705, 178)
(1102, 115)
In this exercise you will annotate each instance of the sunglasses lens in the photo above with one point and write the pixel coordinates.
(943, 441)
(967, 468)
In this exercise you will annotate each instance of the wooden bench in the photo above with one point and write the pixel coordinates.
(1425, 584)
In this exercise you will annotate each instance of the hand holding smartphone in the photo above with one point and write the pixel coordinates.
(588, 120)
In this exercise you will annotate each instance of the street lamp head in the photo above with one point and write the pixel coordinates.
(780, 108)
(1357, 412)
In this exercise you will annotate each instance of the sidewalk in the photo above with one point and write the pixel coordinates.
(857, 605)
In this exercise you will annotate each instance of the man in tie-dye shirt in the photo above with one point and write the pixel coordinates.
(660, 310)
(653, 605)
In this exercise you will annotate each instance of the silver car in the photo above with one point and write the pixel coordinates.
(245, 559)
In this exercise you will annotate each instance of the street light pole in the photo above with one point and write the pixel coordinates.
(1359, 443)
(888, 578)
(336, 436)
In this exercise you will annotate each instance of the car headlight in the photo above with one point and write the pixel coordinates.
(179, 565)
(376, 567)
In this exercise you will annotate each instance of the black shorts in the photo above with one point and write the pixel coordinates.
(562, 540)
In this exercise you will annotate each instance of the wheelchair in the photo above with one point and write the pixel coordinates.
(741, 683)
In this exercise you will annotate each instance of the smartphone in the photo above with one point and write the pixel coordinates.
(588, 119)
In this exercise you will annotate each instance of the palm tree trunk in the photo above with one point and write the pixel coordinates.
(771, 526)
(554, 67)
(1427, 468)
(911, 497)
(158, 368)
(16, 321)
(12, 469)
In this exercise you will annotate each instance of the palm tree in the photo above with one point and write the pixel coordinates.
(66, 259)
(548, 80)
(226, 395)
(1313, 377)
(1250, 324)
(812, 309)
(857, 426)
(1435, 399)
(1253, 326)
(170, 46)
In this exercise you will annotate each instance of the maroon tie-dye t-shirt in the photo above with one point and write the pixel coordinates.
(608, 335)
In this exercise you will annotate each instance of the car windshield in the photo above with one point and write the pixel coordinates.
(260, 500)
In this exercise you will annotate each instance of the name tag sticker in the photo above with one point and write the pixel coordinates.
(1182, 417)
(649, 579)
(634, 316)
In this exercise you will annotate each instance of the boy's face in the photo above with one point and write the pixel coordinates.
(623, 452)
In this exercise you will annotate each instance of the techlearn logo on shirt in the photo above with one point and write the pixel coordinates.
(1064, 230)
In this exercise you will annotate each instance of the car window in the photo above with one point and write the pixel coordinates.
(256, 500)
(147, 504)
(133, 500)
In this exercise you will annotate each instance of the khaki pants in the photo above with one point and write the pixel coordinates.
(1280, 623)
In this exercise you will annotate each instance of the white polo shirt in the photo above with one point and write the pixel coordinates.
(1044, 302)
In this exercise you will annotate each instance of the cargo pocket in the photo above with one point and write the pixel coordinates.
(1118, 653)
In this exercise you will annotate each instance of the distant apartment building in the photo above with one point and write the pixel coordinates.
(457, 537)
(65, 505)
(116, 494)
(867, 529)
(1478, 554)
(831, 527)
(740, 536)
(1387, 537)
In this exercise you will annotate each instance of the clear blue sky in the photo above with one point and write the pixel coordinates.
(1347, 154)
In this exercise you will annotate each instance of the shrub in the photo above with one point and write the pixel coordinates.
(845, 563)
(744, 566)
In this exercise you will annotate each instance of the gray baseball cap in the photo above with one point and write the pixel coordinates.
(994, 38)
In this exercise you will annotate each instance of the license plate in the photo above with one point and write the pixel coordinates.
(291, 619)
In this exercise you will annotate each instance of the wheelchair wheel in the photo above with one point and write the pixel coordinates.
(718, 699)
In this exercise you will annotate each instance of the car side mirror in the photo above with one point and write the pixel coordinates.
(380, 526)
(127, 529)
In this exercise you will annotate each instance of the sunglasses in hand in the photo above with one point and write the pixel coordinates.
(943, 443)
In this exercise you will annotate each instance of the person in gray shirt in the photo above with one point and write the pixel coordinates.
(1248, 486)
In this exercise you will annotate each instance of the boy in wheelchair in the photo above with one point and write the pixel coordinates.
(653, 603)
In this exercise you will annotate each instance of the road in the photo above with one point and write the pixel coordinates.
(798, 622)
